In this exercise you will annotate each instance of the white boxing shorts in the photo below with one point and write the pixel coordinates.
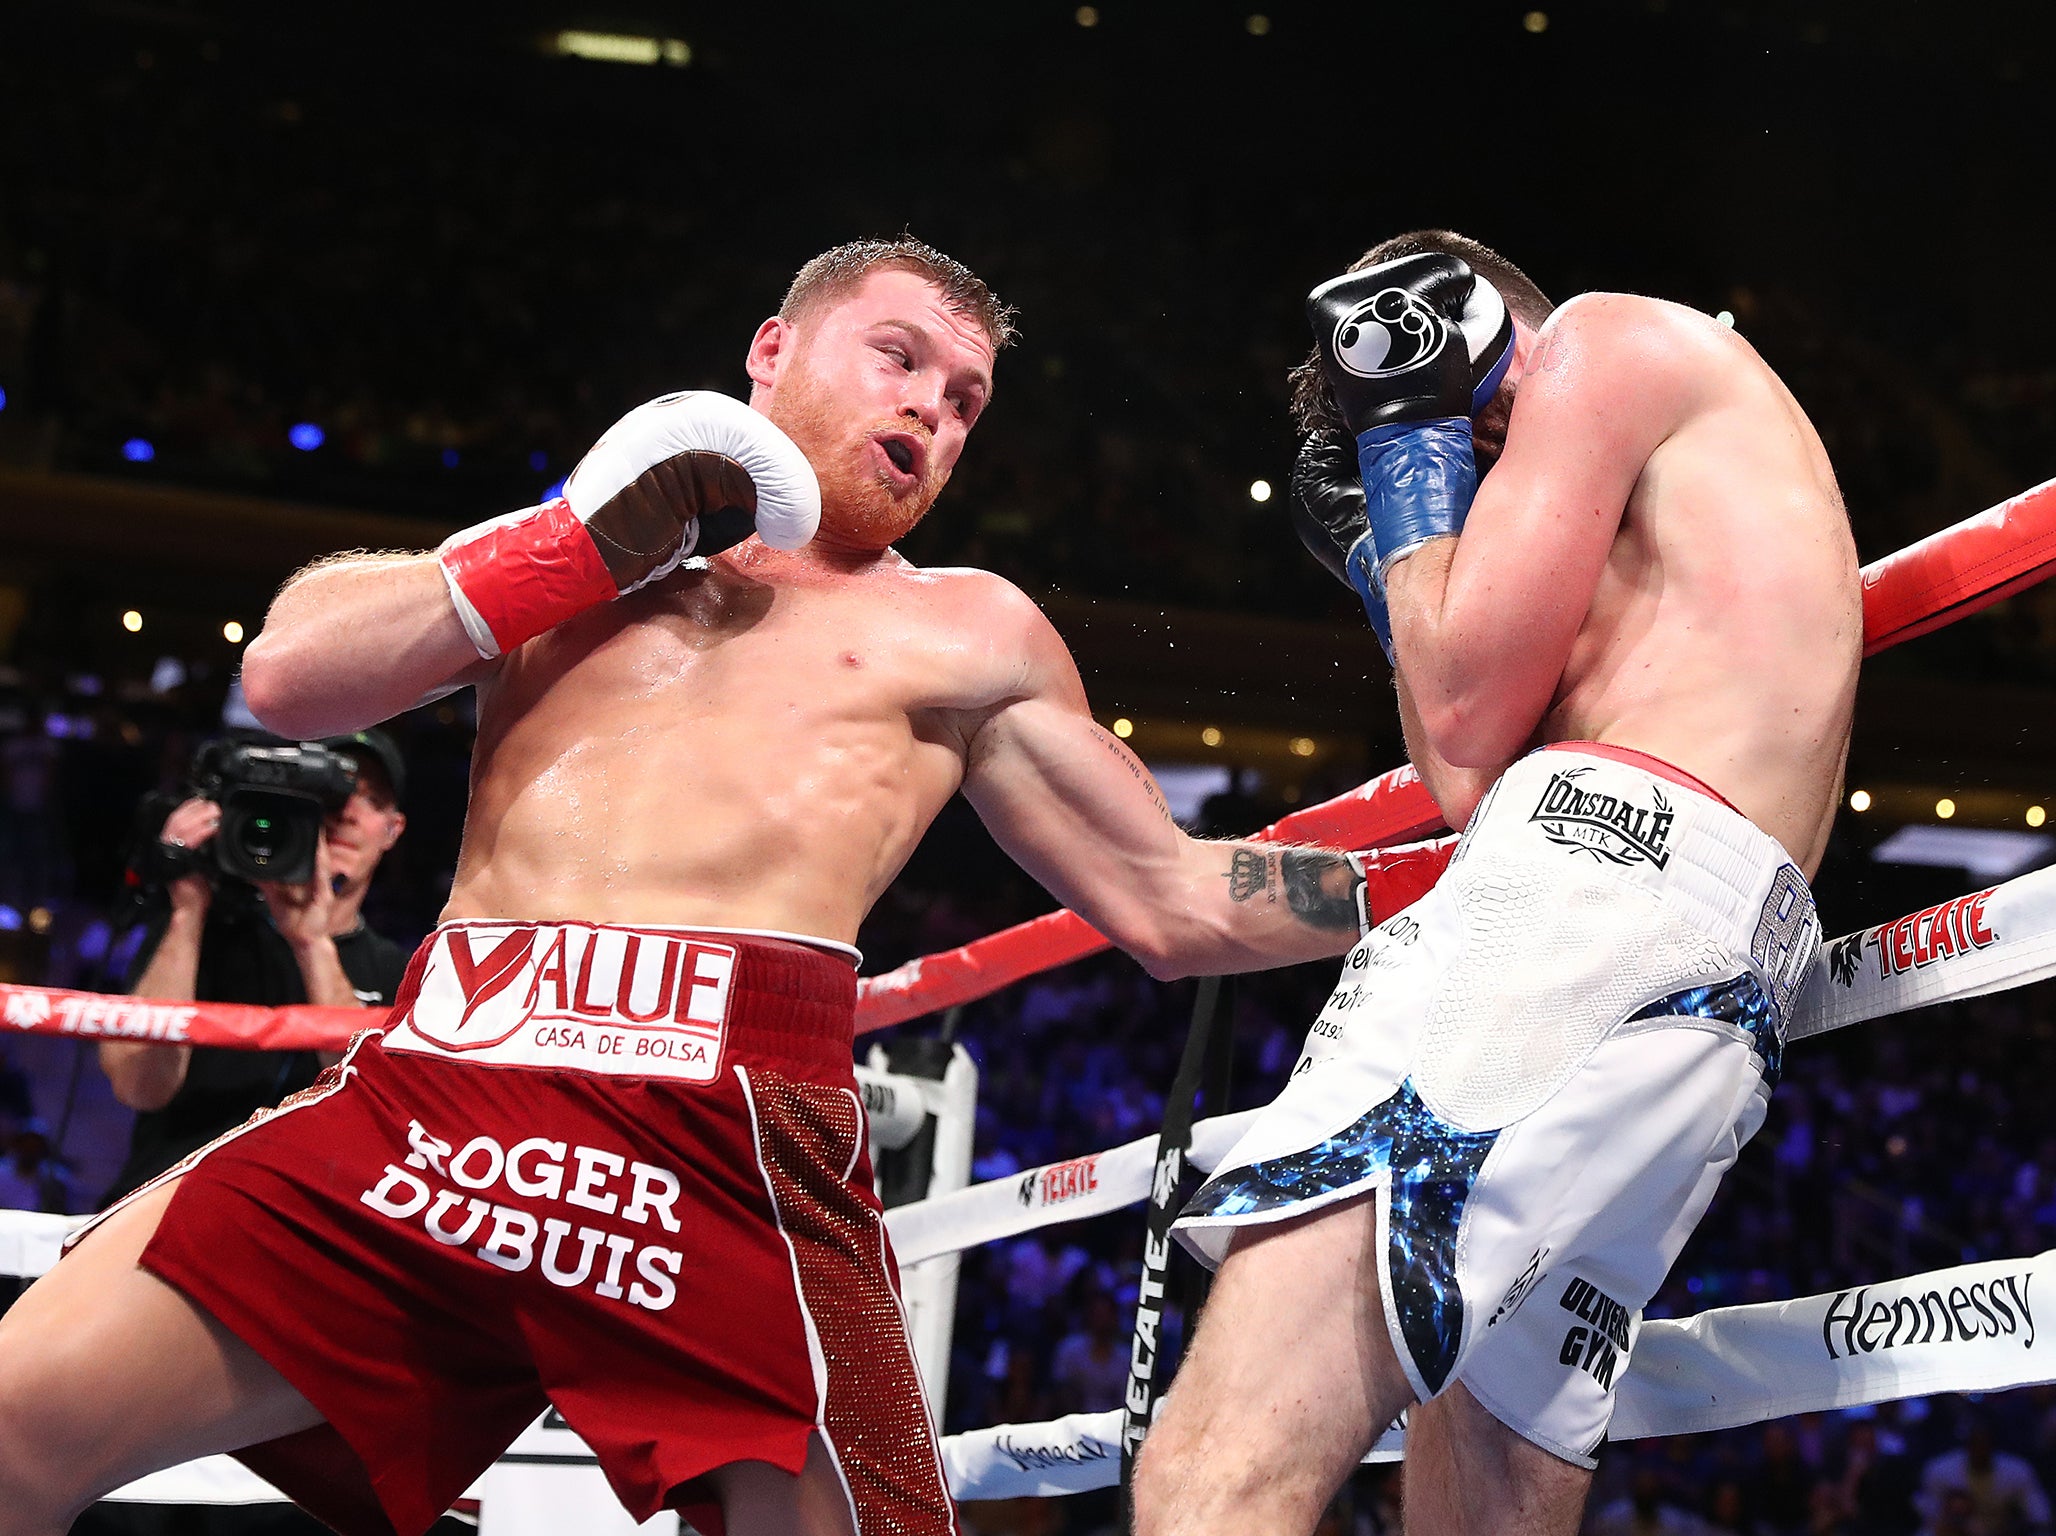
(1541, 1070)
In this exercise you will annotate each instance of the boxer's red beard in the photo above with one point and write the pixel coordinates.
(858, 505)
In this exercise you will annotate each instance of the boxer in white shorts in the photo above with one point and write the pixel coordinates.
(1522, 1095)
(1562, 1047)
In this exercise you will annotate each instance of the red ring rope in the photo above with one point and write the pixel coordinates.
(1945, 577)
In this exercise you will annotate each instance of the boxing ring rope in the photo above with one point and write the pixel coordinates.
(1967, 1328)
(1947, 576)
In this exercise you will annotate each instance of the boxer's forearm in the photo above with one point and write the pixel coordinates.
(1478, 684)
(144, 1075)
(354, 641)
(1249, 907)
(1456, 791)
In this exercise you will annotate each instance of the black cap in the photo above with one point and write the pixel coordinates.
(376, 749)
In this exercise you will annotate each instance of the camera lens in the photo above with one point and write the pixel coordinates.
(268, 835)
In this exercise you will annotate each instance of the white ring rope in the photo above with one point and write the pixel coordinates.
(1971, 1328)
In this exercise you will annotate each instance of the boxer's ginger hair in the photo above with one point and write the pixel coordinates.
(836, 273)
(1313, 406)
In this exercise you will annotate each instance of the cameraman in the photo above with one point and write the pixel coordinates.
(282, 944)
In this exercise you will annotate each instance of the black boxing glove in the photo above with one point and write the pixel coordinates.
(1410, 348)
(1328, 513)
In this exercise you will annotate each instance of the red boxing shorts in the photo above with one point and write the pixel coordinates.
(623, 1170)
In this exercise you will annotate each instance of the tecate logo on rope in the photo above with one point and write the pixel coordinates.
(83, 1014)
(1060, 1182)
(1917, 941)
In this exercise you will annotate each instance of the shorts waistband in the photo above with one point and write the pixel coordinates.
(1647, 762)
(1721, 872)
(630, 1000)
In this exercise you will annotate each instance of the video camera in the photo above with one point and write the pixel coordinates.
(273, 801)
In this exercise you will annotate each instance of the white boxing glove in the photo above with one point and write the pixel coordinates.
(629, 513)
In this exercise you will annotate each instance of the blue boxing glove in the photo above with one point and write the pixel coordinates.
(1411, 349)
(1328, 512)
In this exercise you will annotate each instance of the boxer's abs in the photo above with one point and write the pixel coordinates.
(774, 777)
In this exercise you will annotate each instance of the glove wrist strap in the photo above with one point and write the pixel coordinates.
(1419, 480)
(1360, 566)
(513, 578)
(1361, 891)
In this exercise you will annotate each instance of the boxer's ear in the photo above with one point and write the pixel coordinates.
(769, 350)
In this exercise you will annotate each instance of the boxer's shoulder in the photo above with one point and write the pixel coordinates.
(1610, 339)
(966, 591)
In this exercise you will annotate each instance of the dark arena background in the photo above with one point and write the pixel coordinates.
(277, 281)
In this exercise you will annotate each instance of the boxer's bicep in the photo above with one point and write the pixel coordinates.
(1077, 810)
(354, 640)
(1070, 803)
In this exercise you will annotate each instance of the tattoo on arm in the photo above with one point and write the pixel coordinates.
(1319, 888)
(1142, 775)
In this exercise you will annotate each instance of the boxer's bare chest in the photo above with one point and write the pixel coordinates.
(786, 657)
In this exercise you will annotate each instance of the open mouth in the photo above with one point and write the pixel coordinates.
(906, 452)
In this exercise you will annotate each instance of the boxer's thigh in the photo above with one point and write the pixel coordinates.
(1467, 1474)
(1290, 1377)
(107, 1372)
(758, 1499)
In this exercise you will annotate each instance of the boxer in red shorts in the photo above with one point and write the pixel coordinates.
(606, 1151)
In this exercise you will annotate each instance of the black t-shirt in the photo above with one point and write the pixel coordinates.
(243, 959)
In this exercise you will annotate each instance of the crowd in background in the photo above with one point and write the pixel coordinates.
(1907, 1145)
(206, 246)
(197, 257)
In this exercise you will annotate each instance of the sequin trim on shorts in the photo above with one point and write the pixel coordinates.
(1433, 1168)
(1739, 1001)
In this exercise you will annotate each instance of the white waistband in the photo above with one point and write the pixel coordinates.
(1725, 875)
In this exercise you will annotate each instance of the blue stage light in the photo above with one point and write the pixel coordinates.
(138, 451)
(552, 492)
(449, 458)
(537, 461)
(306, 437)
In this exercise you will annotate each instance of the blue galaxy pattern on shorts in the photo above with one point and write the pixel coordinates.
(1739, 1001)
(1433, 1167)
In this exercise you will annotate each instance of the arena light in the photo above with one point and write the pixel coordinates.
(306, 436)
(1859, 800)
(1124, 728)
(232, 632)
(1211, 736)
(137, 450)
(1086, 15)
(623, 48)
(1259, 490)
(1258, 25)
(1988, 853)
(1302, 746)
(1188, 786)
(2036, 815)
(1536, 21)
(132, 621)
(1945, 807)
(1727, 318)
